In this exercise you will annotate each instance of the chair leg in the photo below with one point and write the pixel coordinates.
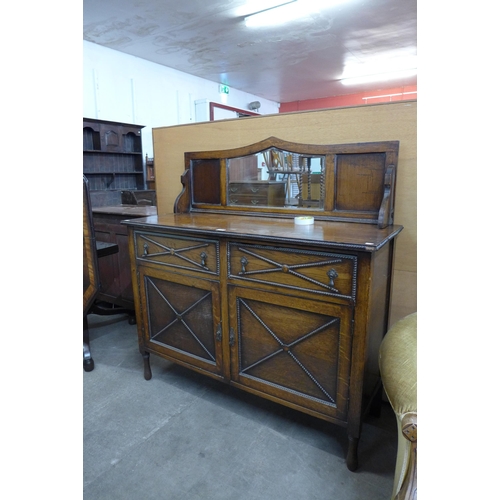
(88, 362)
(408, 489)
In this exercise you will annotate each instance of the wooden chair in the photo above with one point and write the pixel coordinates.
(90, 273)
(92, 250)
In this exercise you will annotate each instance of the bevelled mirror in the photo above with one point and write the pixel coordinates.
(276, 178)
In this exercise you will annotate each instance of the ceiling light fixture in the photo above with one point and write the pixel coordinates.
(274, 15)
(287, 11)
(390, 96)
(380, 77)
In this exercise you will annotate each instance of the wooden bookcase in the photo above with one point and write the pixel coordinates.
(112, 159)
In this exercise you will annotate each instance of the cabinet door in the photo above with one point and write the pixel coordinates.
(114, 270)
(182, 319)
(293, 350)
(111, 139)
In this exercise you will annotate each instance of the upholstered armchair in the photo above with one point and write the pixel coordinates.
(398, 369)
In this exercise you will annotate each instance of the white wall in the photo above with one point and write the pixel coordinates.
(125, 88)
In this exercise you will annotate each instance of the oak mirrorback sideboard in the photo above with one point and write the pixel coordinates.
(258, 297)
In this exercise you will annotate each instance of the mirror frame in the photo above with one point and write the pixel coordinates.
(360, 181)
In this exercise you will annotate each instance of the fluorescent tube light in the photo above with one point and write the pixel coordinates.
(381, 77)
(287, 11)
(275, 15)
(254, 6)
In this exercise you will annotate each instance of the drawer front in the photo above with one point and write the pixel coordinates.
(330, 274)
(248, 199)
(257, 194)
(196, 254)
(248, 188)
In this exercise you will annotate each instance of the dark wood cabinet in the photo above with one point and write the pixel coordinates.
(114, 270)
(113, 165)
(288, 312)
(112, 159)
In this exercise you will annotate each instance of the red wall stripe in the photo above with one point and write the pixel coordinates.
(372, 97)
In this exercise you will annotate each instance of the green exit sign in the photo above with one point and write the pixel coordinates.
(223, 89)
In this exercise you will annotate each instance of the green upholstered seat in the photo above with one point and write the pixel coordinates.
(398, 369)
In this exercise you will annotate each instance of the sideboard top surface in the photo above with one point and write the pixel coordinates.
(324, 233)
(126, 210)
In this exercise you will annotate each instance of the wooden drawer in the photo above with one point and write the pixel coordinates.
(331, 274)
(257, 193)
(195, 254)
(248, 199)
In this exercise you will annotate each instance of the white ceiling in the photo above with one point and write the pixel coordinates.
(303, 59)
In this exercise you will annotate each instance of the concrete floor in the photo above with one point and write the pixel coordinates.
(184, 436)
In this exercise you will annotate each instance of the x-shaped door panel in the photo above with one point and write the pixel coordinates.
(286, 345)
(182, 319)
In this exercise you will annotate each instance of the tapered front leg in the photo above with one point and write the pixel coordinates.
(147, 366)
(88, 362)
(352, 453)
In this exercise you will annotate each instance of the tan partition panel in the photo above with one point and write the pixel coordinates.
(379, 122)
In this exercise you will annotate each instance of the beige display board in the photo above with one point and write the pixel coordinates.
(369, 123)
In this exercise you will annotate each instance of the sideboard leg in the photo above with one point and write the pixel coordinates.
(147, 366)
(88, 362)
(352, 453)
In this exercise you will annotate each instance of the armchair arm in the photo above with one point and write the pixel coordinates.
(408, 489)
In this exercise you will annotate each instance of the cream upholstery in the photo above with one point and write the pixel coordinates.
(398, 369)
